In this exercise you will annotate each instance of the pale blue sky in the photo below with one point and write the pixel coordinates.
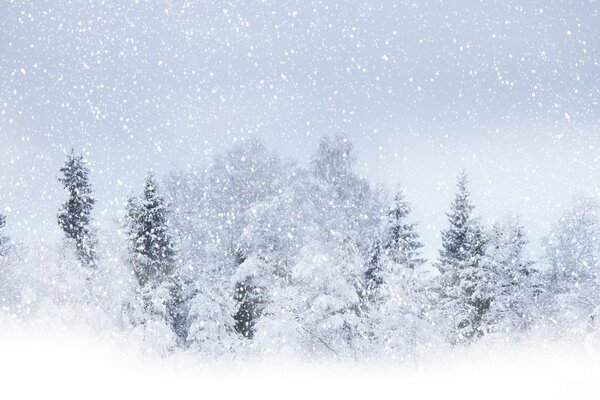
(509, 90)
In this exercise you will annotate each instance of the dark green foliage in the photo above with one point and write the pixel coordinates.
(74, 217)
(154, 260)
(154, 254)
(247, 312)
(247, 298)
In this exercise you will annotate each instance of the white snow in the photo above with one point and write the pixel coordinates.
(53, 363)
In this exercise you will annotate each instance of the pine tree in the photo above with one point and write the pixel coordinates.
(463, 302)
(154, 258)
(74, 217)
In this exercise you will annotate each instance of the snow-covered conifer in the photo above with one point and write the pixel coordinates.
(75, 217)
(153, 257)
(463, 297)
(512, 282)
(396, 299)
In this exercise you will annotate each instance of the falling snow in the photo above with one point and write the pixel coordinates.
(391, 181)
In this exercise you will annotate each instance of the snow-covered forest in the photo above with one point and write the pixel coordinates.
(252, 254)
(406, 193)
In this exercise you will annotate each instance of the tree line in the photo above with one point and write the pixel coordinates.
(251, 252)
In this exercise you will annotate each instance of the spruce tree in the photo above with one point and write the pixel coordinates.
(154, 258)
(74, 217)
(463, 301)
(398, 243)
(396, 298)
(401, 240)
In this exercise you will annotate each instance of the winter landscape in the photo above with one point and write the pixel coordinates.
(354, 199)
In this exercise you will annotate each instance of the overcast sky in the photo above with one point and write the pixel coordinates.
(508, 90)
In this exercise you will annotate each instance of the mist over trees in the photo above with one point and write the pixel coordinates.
(251, 253)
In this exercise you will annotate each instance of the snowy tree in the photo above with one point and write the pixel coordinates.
(339, 195)
(315, 306)
(275, 231)
(373, 270)
(253, 286)
(398, 242)
(225, 215)
(240, 180)
(248, 298)
(4, 240)
(316, 312)
(463, 290)
(154, 259)
(572, 255)
(211, 305)
(396, 299)
(74, 217)
(512, 282)
(8, 284)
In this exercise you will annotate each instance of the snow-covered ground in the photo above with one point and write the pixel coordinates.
(62, 363)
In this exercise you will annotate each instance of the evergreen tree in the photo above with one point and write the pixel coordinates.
(463, 298)
(398, 243)
(373, 279)
(247, 298)
(154, 260)
(220, 210)
(514, 284)
(400, 238)
(74, 217)
(396, 301)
